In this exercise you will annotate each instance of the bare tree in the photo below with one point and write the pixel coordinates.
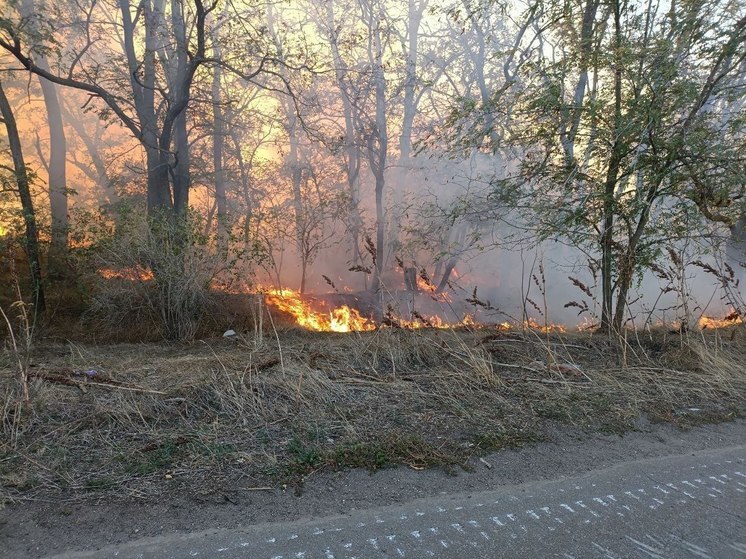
(57, 163)
(160, 127)
(24, 192)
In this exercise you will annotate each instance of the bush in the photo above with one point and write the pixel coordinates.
(150, 275)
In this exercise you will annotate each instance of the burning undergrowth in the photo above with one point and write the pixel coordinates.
(273, 408)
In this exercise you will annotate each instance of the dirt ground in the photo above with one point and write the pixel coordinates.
(130, 440)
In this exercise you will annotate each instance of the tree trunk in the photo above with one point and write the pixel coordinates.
(351, 147)
(182, 177)
(180, 93)
(414, 17)
(735, 249)
(378, 147)
(27, 205)
(57, 174)
(296, 177)
(245, 170)
(57, 180)
(609, 202)
(218, 141)
(380, 232)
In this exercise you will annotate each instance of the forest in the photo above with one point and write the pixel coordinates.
(283, 213)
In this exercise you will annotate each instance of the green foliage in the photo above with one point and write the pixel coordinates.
(675, 136)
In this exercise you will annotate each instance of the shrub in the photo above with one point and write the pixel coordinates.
(151, 275)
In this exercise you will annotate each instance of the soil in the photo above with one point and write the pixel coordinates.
(37, 529)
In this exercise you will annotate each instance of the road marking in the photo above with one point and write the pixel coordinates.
(651, 551)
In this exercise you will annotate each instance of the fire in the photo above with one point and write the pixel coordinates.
(346, 319)
(731, 319)
(431, 322)
(135, 273)
(424, 285)
(340, 319)
(533, 324)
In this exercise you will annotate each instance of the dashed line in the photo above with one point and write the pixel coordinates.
(669, 494)
(650, 551)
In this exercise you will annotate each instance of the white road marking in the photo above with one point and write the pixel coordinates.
(651, 551)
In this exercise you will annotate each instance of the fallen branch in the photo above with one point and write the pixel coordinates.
(129, 388)
(67, 381)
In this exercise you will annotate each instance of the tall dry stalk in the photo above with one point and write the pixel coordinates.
(20, 345)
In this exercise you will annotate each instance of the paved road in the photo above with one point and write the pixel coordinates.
(690, 506)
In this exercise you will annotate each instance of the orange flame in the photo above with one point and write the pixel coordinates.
(427, 287)
(135, 273)
(533, 324)
(432, 322)
(340, 319)
(731, 319)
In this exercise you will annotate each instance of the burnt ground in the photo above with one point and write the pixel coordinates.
(130, 440)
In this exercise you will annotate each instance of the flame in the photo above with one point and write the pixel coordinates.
(434, 321)
(340, 319)
(533, 324)
(135, 273)
(731, 319)
(346, 319)
(428, 287)
(424, 285)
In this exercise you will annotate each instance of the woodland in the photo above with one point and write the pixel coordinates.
(270, 215)
(249, 144)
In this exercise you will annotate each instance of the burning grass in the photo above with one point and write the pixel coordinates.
(145, 420)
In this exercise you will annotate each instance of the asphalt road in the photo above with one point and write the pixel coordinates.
(676, 507)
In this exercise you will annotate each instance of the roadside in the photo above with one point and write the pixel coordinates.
(35, 529)
(132, 439)
(672, 507)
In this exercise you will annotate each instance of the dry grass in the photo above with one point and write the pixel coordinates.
(140, 420)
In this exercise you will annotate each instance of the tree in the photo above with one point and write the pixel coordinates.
(24, 192)
(160, 127)
(629, 183)
(57, 163)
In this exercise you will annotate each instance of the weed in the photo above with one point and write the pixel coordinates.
(305, 456)
(150, 461)
(371, 456)
(493, 441)
(100, 483)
